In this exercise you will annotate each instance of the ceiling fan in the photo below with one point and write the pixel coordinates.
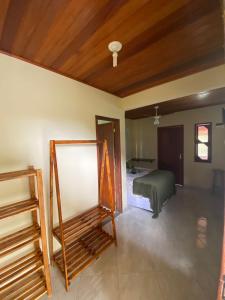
(156, 117)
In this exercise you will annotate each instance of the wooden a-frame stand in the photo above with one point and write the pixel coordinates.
(82, 238)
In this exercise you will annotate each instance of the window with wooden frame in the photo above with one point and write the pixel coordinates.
(203, 142)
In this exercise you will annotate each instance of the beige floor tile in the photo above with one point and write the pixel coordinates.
(133, 258)
(177, 286)
(98, 287)
(143, 286)
(58, 287)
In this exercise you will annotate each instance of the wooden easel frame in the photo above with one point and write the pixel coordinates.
(54, 177)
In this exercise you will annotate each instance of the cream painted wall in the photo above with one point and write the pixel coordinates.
(142, 140)
(202, 81)
(37, 105)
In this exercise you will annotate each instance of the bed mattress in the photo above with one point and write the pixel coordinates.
(137, 200)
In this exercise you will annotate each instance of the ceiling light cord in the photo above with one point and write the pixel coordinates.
(115, 56)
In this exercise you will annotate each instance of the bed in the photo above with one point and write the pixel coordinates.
(136, 200)
(158, 186)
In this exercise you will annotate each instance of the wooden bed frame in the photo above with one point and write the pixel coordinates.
(82, 238)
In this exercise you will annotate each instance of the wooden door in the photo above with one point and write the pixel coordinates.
(171, 150)
(106, 132)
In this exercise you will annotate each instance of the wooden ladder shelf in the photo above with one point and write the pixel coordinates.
(27, 277)
(82, 238)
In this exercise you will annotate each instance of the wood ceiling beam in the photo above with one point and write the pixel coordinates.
(214, 97)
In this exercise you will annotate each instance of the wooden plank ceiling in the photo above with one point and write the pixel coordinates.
(209, 98)
(162, 40)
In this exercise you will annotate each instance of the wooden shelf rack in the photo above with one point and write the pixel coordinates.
(27, 277)
(82, 238)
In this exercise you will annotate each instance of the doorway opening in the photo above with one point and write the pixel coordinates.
(109, 129)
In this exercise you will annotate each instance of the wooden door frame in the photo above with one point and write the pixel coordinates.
(182, 165)
(221, 283)
(117, 154)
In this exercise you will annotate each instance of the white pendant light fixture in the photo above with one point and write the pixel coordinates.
(156, 117)
(115, 47)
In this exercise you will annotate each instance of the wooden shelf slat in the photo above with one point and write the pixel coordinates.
(18, 207)
(83, 251)
(19, 239)
(17, 174)
(29, 286)
(19, 268)
(74, 228)
(75, 142)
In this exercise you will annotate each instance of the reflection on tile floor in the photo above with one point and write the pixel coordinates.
(176, 256)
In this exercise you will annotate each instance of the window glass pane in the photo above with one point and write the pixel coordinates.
(203, 152)
(203, 134)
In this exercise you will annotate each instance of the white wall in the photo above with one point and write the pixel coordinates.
(143, 142)
(36, 106)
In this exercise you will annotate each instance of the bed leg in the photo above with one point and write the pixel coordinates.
(155, 215)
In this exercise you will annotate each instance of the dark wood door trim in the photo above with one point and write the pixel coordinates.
(117, 153)
(221, 284)
(182, 148)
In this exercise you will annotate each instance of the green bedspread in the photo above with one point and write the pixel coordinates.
(158, 186)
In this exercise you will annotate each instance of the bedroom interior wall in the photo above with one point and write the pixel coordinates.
(143, 142)
(37, 105)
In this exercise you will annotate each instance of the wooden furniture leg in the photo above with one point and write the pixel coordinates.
(51, 204)
(43, 231)
(114, 230)
(60, 215)
(34, 212)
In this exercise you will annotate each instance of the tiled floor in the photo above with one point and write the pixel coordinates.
(174, 257)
